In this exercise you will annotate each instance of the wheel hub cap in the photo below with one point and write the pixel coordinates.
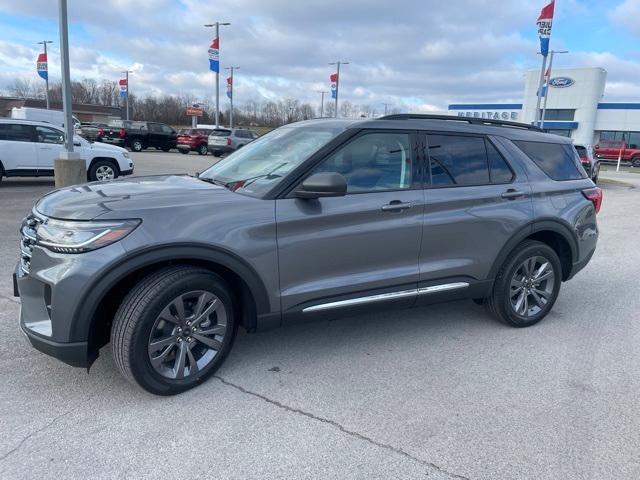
(532, 286)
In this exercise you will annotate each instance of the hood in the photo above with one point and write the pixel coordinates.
(97, 146)
(130, 198)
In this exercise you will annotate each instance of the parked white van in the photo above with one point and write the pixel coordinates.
(28, 149)
(55, 117)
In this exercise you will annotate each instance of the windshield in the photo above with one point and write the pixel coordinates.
(260, 165)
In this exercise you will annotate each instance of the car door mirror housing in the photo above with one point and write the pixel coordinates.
(329, 184)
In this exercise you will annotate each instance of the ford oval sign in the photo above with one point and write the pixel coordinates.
(561, 82)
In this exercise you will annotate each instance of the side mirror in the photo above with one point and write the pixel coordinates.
(318, 185)
(77, 144)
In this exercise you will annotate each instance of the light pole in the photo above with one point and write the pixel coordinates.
(338, 81)
(126, 97)
(322, 92)
(230, 94)
(217, 27)
(546, 93)
(385, 107)
(69, 169)
(46, 80)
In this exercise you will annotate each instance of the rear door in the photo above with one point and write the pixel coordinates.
(475, 201)
(362, 245)
(17, 149)
(49, 144)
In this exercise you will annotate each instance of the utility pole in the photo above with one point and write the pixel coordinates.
(126, 97)
(385, 107)
(69, 168)
(217, 27)
(546, 93)
(46, 80)
(230, 94)
(338, 81)
(322, 92)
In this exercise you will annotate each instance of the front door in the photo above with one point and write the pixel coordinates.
(475, 202)
(363, 247)
(49, 144)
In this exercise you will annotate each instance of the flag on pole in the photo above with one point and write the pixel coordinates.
(123, 87)
(214, 55)
(334, 84)
(544, 27)
(41, 66)
(230, 87)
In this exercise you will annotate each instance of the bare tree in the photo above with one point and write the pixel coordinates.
(26, 88)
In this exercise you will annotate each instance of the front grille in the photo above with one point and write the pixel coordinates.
(28, 232)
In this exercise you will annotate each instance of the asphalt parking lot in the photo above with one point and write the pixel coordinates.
(439, 392)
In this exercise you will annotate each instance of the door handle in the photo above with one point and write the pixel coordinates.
(512, 194)
(396, 206)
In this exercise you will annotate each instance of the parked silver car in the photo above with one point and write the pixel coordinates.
(226, 140)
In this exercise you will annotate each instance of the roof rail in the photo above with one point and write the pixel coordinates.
(473, 120)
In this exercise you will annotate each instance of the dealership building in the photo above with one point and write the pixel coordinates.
(575, 108)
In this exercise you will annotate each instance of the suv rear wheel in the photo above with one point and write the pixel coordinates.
(174, 329)
(136, 145)
(635, 161)
(527, 285)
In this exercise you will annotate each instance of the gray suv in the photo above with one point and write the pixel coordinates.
(227, 140)
(316, 219)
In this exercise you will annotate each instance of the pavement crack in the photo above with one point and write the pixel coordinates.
(43, 428)
(335, 424)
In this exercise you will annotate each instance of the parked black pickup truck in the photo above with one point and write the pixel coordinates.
(138, 135)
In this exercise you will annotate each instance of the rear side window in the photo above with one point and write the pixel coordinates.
(220, 133)
(498, 168)
(16, 132)
(559, 161)
(457, 160)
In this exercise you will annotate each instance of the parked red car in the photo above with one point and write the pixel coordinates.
(611, 149)
(193, 139)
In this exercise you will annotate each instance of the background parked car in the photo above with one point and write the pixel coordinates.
(91, 131)
(225, 140)
(28, 149)
(612, 149)
(193, 139)
(138, 135)
(590, 164)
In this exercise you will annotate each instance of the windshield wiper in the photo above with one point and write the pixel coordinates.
(215, 181)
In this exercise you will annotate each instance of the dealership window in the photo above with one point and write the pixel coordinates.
(630, 138)
(558, 160)
(559, 114)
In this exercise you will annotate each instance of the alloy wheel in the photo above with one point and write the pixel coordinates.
(187, 334)
(105, 172)
(532, 286)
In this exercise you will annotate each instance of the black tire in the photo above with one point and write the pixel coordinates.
(202, 150)
(499, 303)
(139, 313)
(103, 170)
(596, 173)
(635, 162)
(137, 145)
(165, 149)
(478, 301)
(184, 151)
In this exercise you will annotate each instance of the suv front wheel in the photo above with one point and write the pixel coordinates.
(527, 285)
(174, 329)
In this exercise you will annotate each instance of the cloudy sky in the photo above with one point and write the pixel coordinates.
(415, 55)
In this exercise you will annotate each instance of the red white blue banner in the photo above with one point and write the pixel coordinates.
(230, 87)
(214, 55)
(334, 84)
(545, 20)
(123, 87)
(42, 67)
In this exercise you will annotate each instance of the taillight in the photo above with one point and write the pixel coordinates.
(229, 141)
(100, 132)
(123, 133)
(594, 195)
(596, 147)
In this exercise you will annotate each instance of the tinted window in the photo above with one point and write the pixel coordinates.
(559, 161)
(582, 151)
(559, 114)
(375, 161)
(49, 135)
(16, 132)
(220, 133)
(166, 129)
(457, 160)
(499, 170)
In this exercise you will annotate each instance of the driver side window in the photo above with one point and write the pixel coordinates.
(373, 162)
(49, 135)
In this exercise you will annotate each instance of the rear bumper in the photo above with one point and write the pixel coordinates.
(114, 141)
(579, 265)
(220, 148)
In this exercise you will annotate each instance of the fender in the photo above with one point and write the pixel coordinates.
(553, 225)
(139, 258)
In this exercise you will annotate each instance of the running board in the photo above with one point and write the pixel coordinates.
(386, 296)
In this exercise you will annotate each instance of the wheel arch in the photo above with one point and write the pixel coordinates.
(92, 321)
(106, 159)
(554, 233)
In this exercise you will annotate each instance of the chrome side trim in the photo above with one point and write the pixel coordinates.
(442, 288)
(386, 296)
(358, 301)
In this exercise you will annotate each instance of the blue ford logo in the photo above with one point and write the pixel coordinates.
(561, 82)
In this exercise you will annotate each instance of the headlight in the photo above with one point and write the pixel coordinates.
(125, 154)
(78, 237)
